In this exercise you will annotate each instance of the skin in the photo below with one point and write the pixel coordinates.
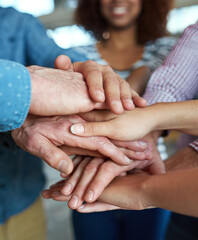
(64, 86)
(143, 190)
(175, 190)
(92, 175)
(138, 122)
(67, 85)
(121, 50)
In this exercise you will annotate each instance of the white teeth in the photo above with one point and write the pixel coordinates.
(119, 10)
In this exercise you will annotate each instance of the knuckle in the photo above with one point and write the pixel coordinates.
(51, 157)
(90, 128)
(108, 167)
(31, 139)
(103, 141)
(84, 163)
(90, 168)
(90, 62)
(107, 68)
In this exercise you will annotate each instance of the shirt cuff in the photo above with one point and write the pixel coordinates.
(194, 145)
(153, 96)
(15, 95)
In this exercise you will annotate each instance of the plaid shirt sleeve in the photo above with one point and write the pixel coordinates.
(194, 145)
(177, 78)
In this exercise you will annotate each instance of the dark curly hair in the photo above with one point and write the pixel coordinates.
(151, 23)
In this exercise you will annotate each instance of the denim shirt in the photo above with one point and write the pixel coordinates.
(23, 39)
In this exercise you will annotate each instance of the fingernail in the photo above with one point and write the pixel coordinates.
(100, 95)
(90, 195)
(45, 193)
(128, 160)
(138, 153)
(117, 104)
(77, 128)
(129, 101)
(142, 143)
(63, 166)
(63, 175)
(81, 207)
(73, 201)
(66, 190)
(55, 193)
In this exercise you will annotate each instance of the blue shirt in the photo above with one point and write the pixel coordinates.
(23, 39)
(15, 94)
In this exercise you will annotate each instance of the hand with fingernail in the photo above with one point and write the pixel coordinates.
(48, 138)
(92, 175)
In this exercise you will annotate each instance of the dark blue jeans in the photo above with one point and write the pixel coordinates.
(182, 228)
(148, 224)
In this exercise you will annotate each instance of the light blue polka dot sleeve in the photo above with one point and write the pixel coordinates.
(15, 94)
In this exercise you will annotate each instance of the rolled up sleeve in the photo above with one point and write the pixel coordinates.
(15, 95)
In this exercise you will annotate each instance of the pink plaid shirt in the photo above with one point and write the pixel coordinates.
(177, 78)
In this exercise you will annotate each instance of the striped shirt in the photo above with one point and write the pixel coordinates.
(177, 78)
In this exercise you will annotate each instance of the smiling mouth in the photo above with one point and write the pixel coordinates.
(119, 10)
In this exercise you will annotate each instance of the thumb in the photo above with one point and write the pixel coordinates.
(55, 157)
(63, 62)
(92, 129)
(138, 101)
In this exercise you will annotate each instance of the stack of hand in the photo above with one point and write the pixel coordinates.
(48, 130)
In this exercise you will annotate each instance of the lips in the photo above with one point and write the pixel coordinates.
(119, 10)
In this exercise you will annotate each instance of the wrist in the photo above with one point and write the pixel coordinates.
(146, 191)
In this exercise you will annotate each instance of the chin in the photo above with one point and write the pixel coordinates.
(122, 25)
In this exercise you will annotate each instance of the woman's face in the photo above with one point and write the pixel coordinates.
(120, 13)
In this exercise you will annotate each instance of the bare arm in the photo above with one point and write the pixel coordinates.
(138, 79)
(182, 116)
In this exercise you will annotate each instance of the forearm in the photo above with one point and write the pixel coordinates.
(139, 79)
(186, 158)
(175, 191)
(181, 116)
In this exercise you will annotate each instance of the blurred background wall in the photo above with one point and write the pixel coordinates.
(57, 16)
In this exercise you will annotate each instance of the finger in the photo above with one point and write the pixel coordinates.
(93, 129)
(156, 168)
(79, 151)
(133, 154)
(94, 79)
(71, 183)
(57, 185)
(55, 195)
(87, 176)
(98, 115)
(54, 157)
(103, 145)
(106, 173)
(76, 160)
(132, 145)
(126, 95)
(63, 62)
(112, 90)
(137, 100)
(96, 207)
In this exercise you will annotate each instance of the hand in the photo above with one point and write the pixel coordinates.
(128, 192)
(103, 84)
(91, 176)
(129, 126)
(46, 138)
(59, 92)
